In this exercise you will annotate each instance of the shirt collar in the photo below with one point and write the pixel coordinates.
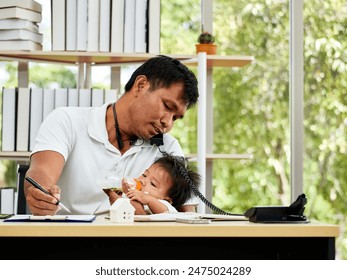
(97, 124)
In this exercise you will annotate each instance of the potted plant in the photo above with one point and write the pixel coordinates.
(206, 41)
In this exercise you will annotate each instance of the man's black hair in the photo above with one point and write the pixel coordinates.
(162, 72)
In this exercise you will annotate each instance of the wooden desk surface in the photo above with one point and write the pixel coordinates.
(104, 228)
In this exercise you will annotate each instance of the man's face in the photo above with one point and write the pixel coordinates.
(155, 112)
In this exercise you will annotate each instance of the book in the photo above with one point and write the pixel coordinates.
(111, 95)
(72, 97)
(7, 200)
(117, 26)
(82, 23)
(84, 96)
(129, 27)
(93, 26)
(21, 34)
(105, 19)
(58, 25)
(36, 114)
(22, 124)
(16, 12)
(71, 25)
(8, 135)
(53, 219)
(60, 97)
(154, 19)
(20, 45)
(25, 4)
(16, 23)
(97, 97)
(48, 102)
(140, 43)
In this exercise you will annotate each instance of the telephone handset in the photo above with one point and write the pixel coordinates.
(158, 141)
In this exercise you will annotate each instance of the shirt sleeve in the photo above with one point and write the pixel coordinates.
(55, 133)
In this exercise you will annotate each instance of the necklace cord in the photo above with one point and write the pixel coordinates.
(116, 126)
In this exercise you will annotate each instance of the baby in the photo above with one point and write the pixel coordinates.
(165, 185)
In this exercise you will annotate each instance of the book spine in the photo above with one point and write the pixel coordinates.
(129, 26)
(9, 97)
(23, 110)
(97, 97)
(71, 25)
(117, 26)
(93, 26)
(7, 200)
(105, 25)
(84, 97)
(82, 24)
(36, 113)
(58, 25)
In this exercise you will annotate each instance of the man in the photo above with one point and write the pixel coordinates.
(74, 144)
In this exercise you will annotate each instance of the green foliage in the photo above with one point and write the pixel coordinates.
(41, 76)
(251, 104)
(179, 29)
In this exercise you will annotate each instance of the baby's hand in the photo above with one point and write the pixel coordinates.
(139, 196)
(130, 184)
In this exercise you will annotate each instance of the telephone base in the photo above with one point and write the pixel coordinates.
(279, 214)
(273, 214)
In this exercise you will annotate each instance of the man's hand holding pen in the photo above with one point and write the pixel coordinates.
(41, 203)
(44, 201)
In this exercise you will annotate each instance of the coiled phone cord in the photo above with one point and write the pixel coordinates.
(197, 192)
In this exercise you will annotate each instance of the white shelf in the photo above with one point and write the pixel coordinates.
(211, 157)
(98, 58)
(20, 156)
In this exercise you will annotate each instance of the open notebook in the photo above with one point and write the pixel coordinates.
(187, 215)
(55, 218)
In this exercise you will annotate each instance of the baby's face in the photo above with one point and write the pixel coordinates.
(156, 181)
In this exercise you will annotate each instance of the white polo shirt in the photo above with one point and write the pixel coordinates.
(80, 135)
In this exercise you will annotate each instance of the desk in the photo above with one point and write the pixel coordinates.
(152, 240)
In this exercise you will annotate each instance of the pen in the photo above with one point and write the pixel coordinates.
(38, 186)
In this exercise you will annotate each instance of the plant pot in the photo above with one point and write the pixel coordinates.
(207, 48)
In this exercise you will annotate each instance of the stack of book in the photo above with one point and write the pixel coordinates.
(19, 25)
(119, 26)
(24, 109)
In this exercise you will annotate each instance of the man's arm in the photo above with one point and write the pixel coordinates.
(45, 168)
